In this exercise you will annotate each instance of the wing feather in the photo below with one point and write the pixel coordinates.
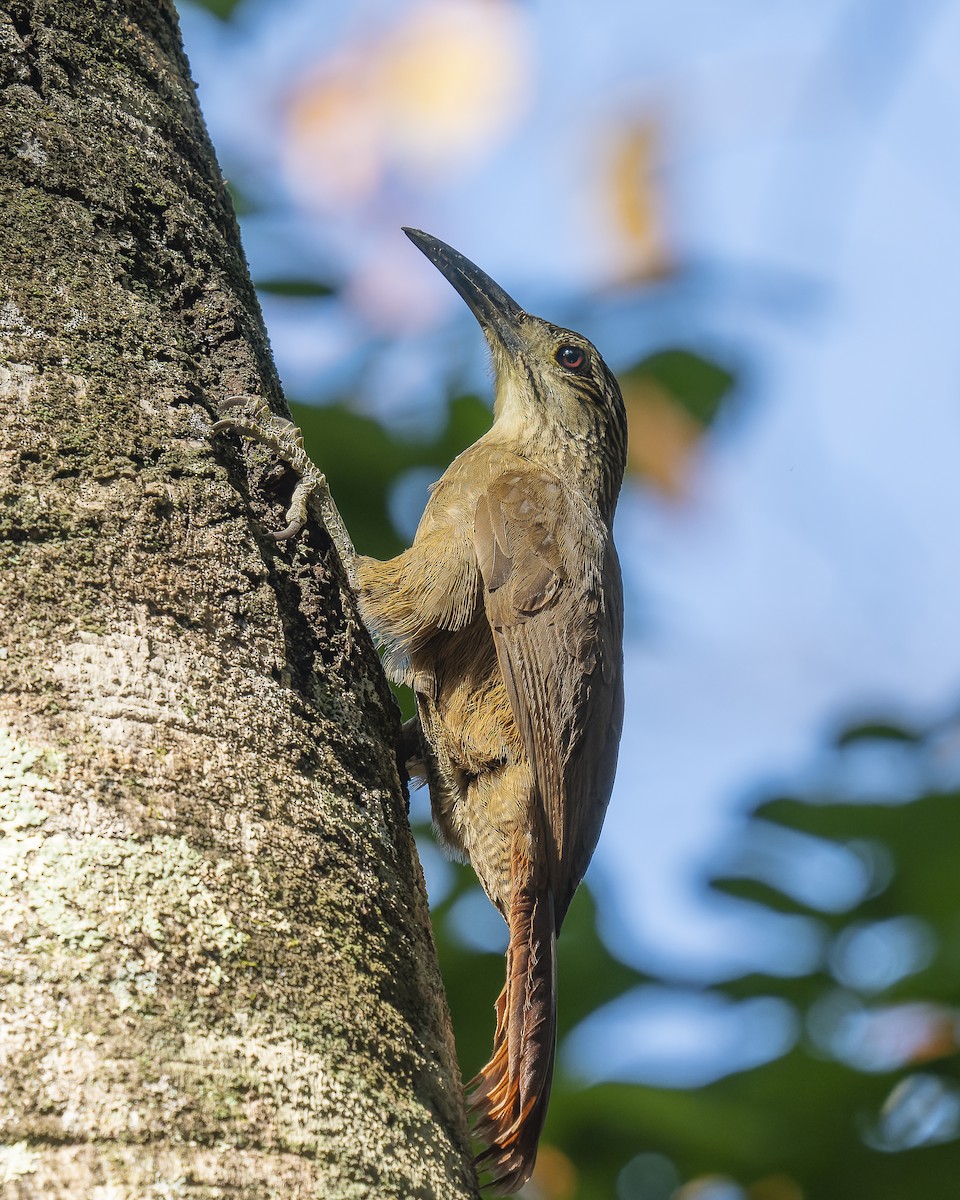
(552, 595)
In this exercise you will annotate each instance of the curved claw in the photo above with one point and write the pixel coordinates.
(238, 401)
(288, 531)
(254, 420)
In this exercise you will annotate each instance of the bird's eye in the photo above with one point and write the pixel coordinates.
(571, 357)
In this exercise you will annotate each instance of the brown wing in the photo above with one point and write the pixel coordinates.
(553, 598)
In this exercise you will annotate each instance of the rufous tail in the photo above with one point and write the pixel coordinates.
(509, 1096)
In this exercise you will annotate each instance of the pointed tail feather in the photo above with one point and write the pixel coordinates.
(509, 1096)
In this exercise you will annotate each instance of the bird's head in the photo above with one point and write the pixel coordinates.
(556, 399)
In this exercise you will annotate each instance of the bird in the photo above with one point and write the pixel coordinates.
(505, 617)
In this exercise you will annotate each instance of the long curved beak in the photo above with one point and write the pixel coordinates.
(499, 314)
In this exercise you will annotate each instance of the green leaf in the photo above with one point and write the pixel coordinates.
(296, 288)
(243, 204)
(766, 895)
(877, 731)
(220, 8)
(697, 384)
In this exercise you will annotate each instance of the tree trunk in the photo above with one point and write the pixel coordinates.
(216, 968)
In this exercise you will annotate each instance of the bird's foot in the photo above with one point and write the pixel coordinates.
(410, 751)
(251, 417)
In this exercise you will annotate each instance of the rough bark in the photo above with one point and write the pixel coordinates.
(216, 969)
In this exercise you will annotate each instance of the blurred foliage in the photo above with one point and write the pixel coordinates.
(244, 204)
(672, 398)
(867, 1103)
(300, 289)
(220, 8)
(692, 381)
(636, 200)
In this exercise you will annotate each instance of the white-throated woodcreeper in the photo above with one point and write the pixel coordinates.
(505, 616)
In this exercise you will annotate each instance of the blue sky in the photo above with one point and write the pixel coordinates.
(809, 179)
